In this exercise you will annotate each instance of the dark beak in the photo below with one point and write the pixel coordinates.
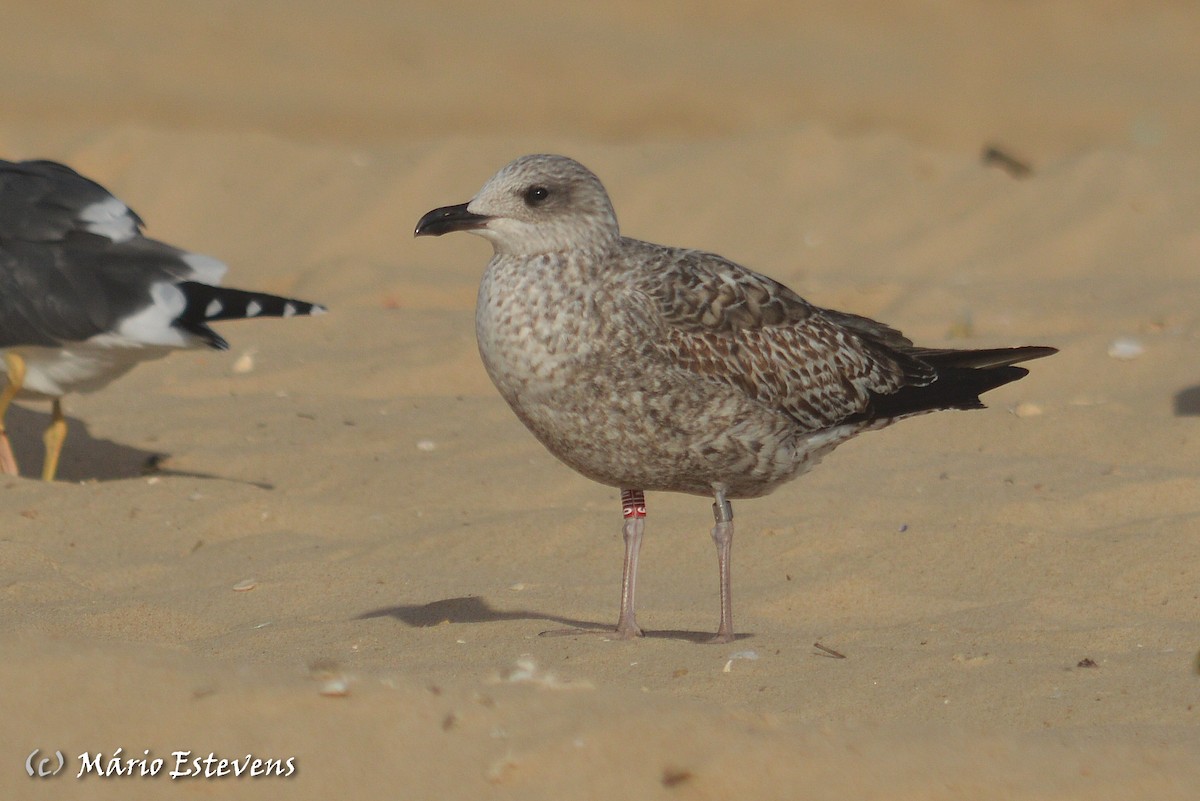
(448, 219)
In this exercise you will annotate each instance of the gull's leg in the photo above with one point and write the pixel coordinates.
(16, 379)
(55, 434)
(633, 503)
(722, 535)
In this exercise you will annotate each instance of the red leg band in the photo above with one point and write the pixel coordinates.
(633, 503)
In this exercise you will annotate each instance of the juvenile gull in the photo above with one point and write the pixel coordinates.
(84, 296)
(647, 367)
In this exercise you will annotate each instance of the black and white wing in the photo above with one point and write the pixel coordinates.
(74, 265)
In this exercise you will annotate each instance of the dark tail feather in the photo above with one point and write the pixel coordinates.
(207, 304)
(955, 388)
(962, 376)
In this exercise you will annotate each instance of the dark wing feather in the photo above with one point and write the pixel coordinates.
(962, 376)
(43, 201)
(743, 329)
(23, 322)
(982, 359)
(51, 293)
(67, 273)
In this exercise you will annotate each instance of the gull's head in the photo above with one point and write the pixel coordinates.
(536, 204)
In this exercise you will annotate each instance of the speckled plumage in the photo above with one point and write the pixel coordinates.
(656, 368)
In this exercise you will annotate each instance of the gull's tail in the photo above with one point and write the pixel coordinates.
(207, 304)
(961, 377)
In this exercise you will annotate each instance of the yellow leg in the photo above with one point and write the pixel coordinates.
(16, 379)
(56, 434)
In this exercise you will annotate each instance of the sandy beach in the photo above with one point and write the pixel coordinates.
(336, 544)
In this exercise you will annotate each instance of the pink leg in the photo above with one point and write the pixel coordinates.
(8, 462)
(722, 535)
(15, 367)
(634, 505)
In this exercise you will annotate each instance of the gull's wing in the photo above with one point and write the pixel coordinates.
(73, 262)
(728, 324)
(44, 201)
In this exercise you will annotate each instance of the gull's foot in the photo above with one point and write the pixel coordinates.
(629, 631)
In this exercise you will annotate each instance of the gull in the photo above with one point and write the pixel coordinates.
(84, 297)
(654, 368)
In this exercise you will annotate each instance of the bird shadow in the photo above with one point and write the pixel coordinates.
(87, 458)
(1187, 402)
(473, 609)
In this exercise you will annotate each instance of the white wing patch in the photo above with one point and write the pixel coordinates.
(213, 309)
(253, 308)
(205, 269)
(153, 324)
(110, 218)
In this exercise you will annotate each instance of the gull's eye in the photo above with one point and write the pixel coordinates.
(536, 195)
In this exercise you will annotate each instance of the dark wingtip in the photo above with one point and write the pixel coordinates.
(982, 358)
(955, 388)
(206, 335)
(1030, 352)
(207, 304)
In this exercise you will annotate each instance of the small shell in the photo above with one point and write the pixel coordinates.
(750, 655)
(245, 585)
(1027, 409)
(1125, 348)
(244, 363)
(334, 683)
